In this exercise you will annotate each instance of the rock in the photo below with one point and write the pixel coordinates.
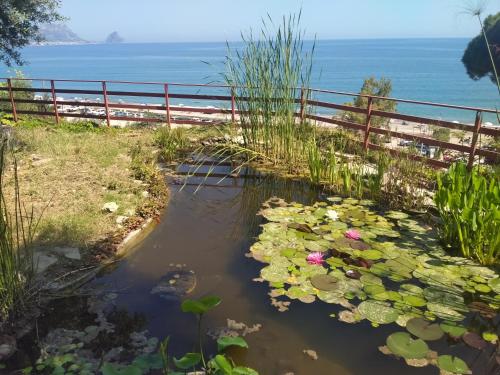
(42, 261)
(110, 207)
(7, 347)
(311, 354)
(68, 252)
(121, 219)
(145, 194)
(40, 162)
(175, 284)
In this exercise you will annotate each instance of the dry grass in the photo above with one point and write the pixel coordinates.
(69, 175)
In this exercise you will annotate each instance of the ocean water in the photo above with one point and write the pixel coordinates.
(420, 69)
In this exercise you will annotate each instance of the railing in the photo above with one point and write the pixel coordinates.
(164, 110)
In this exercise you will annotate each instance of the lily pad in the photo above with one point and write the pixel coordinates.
(495, 284)
(377, 312)
(324, 282)
(424, 329)
(474, 341)
(453, 330)
(452, 364)
(402, 345)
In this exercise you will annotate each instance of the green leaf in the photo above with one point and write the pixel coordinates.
(401, 344)
(148, 362)
(188, 361)
(221, 363)
(244, 371)
(111, 369)
(200, 306)
(224, 342)
(424, 329)
(452, 364)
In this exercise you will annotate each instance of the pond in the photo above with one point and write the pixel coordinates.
(209, 231)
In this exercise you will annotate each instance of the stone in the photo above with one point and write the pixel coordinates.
(311, 354)
(43, 261)
(121, 219)
(145, 194)
(175, 284)
(68, 252)
(7, 347)
(110, 207)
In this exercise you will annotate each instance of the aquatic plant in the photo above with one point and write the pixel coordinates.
(315, 258)
(391, 269)
(268, 74)
(352, 234)
(469, 207)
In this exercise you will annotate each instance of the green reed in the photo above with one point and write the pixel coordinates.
(171, 142)
(267, 76)
(16, 235)
(469, 206)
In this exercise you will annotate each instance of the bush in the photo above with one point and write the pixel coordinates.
(469, 206)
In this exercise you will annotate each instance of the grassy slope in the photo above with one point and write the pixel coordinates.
(68, 175)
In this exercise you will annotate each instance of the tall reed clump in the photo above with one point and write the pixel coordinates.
(16, 235)
(270, 78)
(469, 206)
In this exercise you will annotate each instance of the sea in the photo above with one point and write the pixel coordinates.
(420, 69)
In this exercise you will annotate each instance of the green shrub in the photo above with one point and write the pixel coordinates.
(469, 206)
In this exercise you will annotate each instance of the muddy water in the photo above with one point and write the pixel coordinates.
(210, 232)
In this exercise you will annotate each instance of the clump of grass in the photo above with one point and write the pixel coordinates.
(17, 227)
(171, 142)
(267, 76)
(469, 206)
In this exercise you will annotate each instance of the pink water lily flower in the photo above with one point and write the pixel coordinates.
(353, 234)
(315, 258)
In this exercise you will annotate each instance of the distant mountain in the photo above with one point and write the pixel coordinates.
(114, 37)
(59, 33)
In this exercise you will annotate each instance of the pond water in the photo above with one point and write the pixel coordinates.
(209, 232)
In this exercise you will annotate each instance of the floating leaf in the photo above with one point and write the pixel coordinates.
(372, 254)
(401, 344)
(300, 227)
(188, 361)
(227, 341)
(474, 341)
(452, 329)
(424, 329)
(452, 364)
(483, 288)
(490, 337)
(414, 301)
(495, 284)
(324, 282)
(377, 312)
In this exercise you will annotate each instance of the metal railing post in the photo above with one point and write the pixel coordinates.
(368, 122)
(302, 105)
(106, 103)
(12, 100)
(54, 100)
(167, 106)
(233, 107)
(475, 136)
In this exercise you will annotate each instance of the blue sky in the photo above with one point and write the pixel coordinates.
(220, 20)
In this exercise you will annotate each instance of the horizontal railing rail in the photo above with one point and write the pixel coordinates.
(308, 108)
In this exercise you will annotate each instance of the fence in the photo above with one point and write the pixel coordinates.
(164, 93)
